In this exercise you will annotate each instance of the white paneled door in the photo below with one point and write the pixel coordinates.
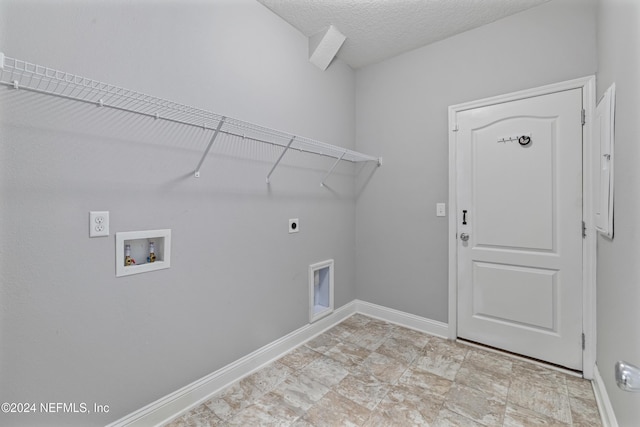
(519, 200)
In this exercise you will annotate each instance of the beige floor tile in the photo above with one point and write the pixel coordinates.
(322, 343)
(406, 405)
(383, 368)
(300, 392)
(299, 358)
(348, 354)
(487, 361)
(198, 417)
(579, 387)
(367, 392)
(540, 376)
(584, 412)
(540, 398)
(267, 378)
(366, 372)
(380, 324)
(223, 409)
(335, 410)
(484, 380)
(480, 407)
(516, 416)
(442, 358)
(301, 422)
(370, 337)
(326, 371)
(340, 331)
(434, 387)
(356, 321)
(269, 410)
(399, 348)
(419, 339)
(447, 418)
(234, 399)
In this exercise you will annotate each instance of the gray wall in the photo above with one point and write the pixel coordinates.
(401, 115)
(618, 268)
(73, 332)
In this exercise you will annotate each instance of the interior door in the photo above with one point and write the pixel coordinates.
(519, 245)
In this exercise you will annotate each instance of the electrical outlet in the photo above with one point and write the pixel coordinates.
(294, 225)
(98, 223)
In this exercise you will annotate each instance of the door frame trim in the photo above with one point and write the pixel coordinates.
(587, 85)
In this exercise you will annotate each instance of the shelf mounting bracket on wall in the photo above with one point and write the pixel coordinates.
(280, 158)
(213, 138)
(332, 168)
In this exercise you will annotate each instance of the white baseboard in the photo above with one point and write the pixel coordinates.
(607, 415)
(169, 407)
(411, 321)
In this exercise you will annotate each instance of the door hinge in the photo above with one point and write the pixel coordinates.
(584, 230)
(584, 341)
(584, 117)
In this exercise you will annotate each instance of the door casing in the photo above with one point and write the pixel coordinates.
(587, 84)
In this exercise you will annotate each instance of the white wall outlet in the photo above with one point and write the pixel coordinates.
(294, 225)
(98, 223)
(441, 209)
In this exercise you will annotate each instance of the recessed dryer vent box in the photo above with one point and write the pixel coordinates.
(320, 290)
(133, 251)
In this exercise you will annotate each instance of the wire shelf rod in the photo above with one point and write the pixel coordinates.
(358, 156)
(182, 122)
(44, 80)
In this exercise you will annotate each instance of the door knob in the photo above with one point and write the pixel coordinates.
(464, 237)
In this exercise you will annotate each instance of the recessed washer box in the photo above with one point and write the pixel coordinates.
(139, 243)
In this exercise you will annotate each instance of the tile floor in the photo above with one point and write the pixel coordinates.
(366, 372)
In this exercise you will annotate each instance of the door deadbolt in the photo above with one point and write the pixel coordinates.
(464, 237)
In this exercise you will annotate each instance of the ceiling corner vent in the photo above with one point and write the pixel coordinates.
(324, 45)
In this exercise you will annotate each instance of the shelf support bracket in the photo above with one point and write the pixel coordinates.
(330, 171)
(206, 152)
(279, 158)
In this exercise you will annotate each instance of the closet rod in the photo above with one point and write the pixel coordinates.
(22, 75)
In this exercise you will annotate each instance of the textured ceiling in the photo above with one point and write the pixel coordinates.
(379, 29)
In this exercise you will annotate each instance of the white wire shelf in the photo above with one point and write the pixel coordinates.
(22, 75)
